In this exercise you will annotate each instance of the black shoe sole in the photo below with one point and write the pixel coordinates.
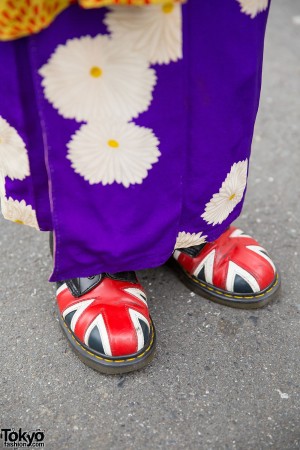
(105, 364)
(241, 301)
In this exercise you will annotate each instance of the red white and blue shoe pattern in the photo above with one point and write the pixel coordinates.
(107, 321)
(233, 270)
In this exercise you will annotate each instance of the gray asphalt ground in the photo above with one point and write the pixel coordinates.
(222, 378)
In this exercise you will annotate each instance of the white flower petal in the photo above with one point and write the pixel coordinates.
(185, 240)
(19, 212)
(2, 185)
(229, 195)
(88, 78)
(13, 154)
(155, 30)
(253, 7)
(111, 151)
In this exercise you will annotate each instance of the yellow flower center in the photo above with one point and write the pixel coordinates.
(95, 72)
(19, 221)
(113, 144)
(232, 197)
(168, 8)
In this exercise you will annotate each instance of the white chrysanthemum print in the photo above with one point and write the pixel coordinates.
(88, 78)
(19, 212)
(229, 195)
(2, 185)
(185, 240)
(155, 30)
(112, 151)
(253, 7)
(13, 154)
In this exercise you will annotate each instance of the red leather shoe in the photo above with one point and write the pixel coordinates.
(234, 270)
(107, 322)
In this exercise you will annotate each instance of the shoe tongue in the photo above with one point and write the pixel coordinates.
(81, 286)
(192, 251)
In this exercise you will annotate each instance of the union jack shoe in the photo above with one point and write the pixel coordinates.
(107, 322)
(234, 270)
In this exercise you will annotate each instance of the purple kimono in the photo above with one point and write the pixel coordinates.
(127, 131)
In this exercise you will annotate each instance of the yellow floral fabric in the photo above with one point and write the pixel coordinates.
(19, 18)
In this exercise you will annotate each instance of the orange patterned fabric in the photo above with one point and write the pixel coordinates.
(20, 18)
(95, 3)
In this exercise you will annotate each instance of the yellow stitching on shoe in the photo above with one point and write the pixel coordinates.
(228, 295)
(116, 360)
